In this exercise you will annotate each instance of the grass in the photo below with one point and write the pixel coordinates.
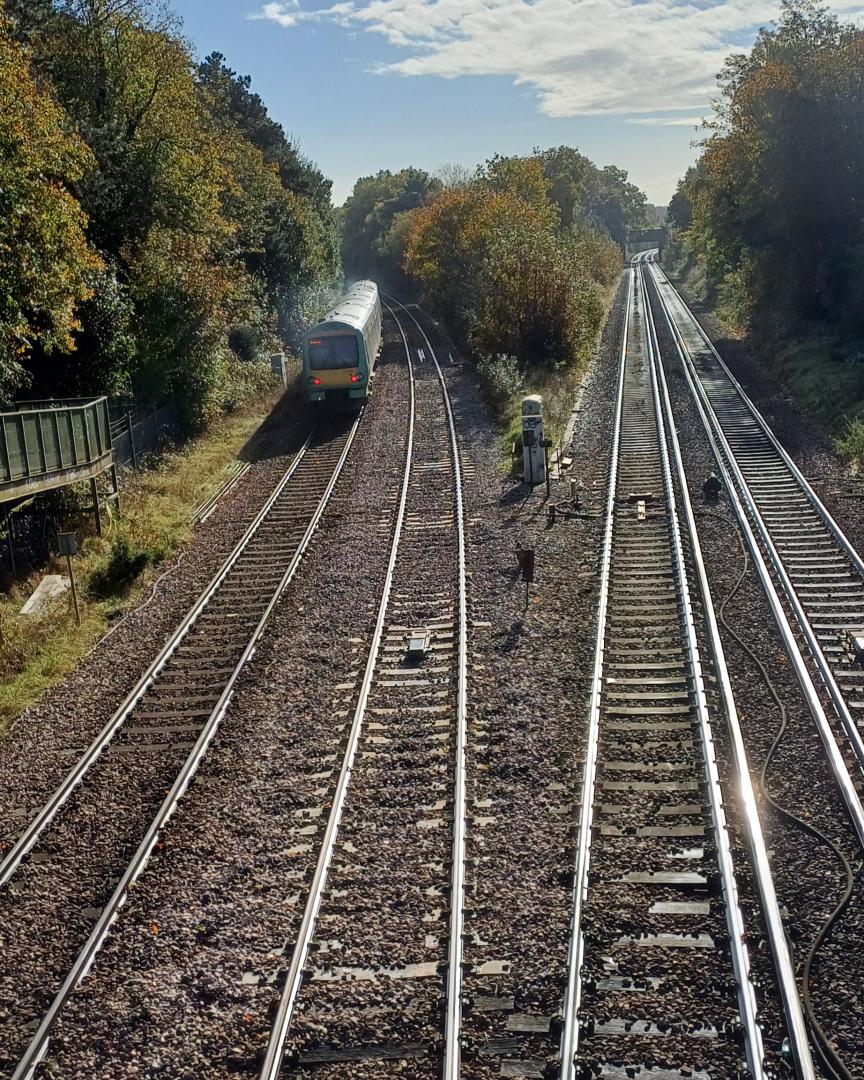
(115, 570)
(822, 376)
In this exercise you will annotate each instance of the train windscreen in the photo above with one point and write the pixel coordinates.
(333, 351)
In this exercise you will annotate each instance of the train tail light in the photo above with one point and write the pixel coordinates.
(313, 380)
(357, 377)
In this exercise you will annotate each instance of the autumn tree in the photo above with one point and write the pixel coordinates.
(374, 223)
(209, 223)
(494, 256)
(46, 265)
(774, 207)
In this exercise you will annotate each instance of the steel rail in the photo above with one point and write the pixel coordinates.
(848, 723)
(272, 1065)
(747, 1006)
(797, 475)
(39, 1045)
(782, 959)
(453, 1021)
(734, 481)
(46, 815)
(576, 950)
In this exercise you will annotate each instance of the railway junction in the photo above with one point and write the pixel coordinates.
(343, 800)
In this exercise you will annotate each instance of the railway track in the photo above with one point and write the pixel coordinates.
(812, 575)
(68, 874)
(658, 969)
(382, 922)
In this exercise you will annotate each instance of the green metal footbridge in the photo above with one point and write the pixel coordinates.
(49, 444)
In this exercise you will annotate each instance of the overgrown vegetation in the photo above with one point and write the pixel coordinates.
(521, 259)
(771, 215)
(160, 223)
(375, 220)
(518, 256)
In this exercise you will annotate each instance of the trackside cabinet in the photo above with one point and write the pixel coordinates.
(533, 440)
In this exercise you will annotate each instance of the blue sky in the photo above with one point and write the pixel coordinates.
(364, 85)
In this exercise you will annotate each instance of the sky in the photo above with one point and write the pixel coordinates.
(363, 85)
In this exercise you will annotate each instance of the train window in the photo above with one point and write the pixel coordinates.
(333, 351)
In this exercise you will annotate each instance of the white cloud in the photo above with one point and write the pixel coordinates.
(579, 56)
(284, 14)
(668, 121)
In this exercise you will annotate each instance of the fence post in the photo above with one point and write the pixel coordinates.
(130, 428)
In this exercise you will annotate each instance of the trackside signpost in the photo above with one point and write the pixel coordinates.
(67, 545)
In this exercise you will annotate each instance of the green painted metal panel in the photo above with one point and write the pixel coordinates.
(39, 440)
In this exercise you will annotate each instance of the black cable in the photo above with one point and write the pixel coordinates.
(828, 1056)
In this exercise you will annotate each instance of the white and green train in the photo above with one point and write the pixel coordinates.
(339, 353)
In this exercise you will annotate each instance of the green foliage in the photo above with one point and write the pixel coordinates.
(514, 265)
(850, 445)
(105, 347)
(243, 383)
(375, 223)
(46, 265)
(502, 377)
(233, 97)
(773, 207)
(211, 226)
(600, 199)
(123, 566)
(298, 240)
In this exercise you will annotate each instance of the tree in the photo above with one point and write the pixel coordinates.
(588, 196)
(231, 94)
(493, 254)
(188, 200)
(298, 246)
(46, 266)
(776, 198)
(373, 224)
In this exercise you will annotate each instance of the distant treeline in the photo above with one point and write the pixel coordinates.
(156, 225)
(516, 255)
(774, 207)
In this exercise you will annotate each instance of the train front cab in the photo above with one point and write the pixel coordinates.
(336, 365)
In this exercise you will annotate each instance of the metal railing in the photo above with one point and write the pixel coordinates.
(41, 440)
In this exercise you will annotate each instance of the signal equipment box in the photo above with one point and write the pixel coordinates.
(533, 440)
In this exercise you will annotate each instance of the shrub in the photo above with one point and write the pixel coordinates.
(126, 562)
(501, 378)
(850, 445)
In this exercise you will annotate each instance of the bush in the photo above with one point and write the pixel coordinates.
(242, 383)
(850, 445)
(245, 342)
(501, 377)
(126, 562)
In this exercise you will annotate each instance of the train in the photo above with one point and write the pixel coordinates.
(339, 353)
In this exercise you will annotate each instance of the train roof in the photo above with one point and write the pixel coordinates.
(354, 307)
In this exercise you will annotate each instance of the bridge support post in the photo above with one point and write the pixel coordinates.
(97, 509)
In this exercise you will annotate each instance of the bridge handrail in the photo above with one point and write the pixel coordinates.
(41, 438)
